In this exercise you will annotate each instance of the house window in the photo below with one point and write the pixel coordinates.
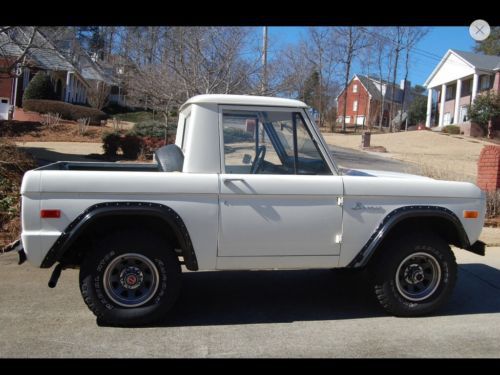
(348, 119)
(484, 83)
(447, 118)
(355, 105)
(450, 92)
(360, 120)
(463, 114)
(340, 119)
(355, 88)
(466, 88)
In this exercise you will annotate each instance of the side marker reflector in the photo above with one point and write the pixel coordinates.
(471, 214)
(50, 214)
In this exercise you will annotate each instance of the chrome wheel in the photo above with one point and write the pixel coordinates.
(131, 280)
(418, 276)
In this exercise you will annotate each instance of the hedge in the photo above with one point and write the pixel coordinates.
(66, 110)
(451, 129)
(40, 87)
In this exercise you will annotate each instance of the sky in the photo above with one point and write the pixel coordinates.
(425, 57)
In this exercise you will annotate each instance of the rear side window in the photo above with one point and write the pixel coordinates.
(185, 133)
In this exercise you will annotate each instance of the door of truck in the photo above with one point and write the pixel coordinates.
(279, 196)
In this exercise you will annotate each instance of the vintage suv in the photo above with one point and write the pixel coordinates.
(250, 184)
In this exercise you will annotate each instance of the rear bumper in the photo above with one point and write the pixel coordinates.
(478, 247)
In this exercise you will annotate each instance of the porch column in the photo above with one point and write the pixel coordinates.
(441, 108)
(73, 88)
(475, 81)
(68, 88)
(457, 102)
(429, 109)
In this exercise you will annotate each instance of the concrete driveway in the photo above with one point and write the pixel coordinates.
(314, 313)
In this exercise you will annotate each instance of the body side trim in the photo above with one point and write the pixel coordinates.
(396, 216)
(78, 225)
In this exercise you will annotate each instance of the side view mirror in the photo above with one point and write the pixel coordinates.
(247, 159)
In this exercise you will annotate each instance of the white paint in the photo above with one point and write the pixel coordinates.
(279, 215)
(428, 116)
(4, 110)
(475, 82)
(456, 118)
(451, 68)
(262, 222)
(443, 100)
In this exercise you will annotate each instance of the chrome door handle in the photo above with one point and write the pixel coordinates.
(227, 180)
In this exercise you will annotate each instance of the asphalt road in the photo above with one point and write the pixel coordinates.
(349, 158)
(314, 313)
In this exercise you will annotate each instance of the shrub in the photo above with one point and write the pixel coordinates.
(40, 87)
(150, 128)
(151, 144)
(111, 143)
(66, 110)
(451, 129)
(131, 146)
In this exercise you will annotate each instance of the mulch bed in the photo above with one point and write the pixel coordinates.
(66, 131)
(493, 222)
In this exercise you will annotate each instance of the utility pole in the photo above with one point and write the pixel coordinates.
(264, 61)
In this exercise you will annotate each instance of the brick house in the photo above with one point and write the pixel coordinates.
(365, 95)
(456, 81)
(69, 85)
(70, 68)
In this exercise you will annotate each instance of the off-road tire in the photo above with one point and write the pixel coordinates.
(149, 245)
(383, 273)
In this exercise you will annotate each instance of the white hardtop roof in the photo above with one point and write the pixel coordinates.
(244, 100)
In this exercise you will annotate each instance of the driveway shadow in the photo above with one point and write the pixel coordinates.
(46, 156)
(260, 297)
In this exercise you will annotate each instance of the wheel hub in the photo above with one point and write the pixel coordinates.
(131, 278)
(418, 276)
(414, 274)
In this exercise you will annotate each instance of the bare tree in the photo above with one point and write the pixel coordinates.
(412, 37)
(98, 94)
(350, 40)
(15, 44)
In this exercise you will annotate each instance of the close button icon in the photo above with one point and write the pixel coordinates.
(479, 30)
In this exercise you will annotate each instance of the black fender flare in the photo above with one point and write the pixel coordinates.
(400, 214)
(107, 209)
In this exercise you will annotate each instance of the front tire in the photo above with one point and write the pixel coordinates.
(415, 275)
(130, 279)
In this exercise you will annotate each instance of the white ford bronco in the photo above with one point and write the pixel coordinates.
(250, 184)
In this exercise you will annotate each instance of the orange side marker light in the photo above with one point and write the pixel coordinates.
(471, 214)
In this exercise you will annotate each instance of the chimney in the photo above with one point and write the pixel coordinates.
(405, 85)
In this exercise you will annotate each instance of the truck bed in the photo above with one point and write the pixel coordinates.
(104, 166)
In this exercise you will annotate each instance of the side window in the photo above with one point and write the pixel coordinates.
(269, 142)
(185, 133)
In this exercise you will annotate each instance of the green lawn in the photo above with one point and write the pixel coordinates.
(137, 116)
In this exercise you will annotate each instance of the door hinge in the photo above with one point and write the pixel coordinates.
(338, 238)
(340, 201)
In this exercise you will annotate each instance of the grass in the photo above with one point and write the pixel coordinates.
(137, 116)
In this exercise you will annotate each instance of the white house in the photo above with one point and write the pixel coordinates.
(458, 79)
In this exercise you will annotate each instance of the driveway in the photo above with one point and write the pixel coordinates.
(312, 313)
(48, 152)
(349, 158)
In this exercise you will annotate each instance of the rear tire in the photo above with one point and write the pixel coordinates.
(130, 279)
(414, 275)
